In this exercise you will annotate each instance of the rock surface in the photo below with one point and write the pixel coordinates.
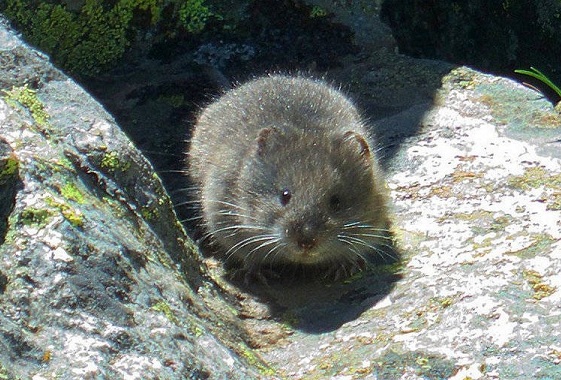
(97, 278)
(475, 175)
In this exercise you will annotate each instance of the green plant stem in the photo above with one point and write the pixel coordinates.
(535, 73)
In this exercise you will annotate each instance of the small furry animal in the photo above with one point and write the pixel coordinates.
(285, 173)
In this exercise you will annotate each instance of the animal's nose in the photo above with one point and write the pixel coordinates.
(307, 244)
(306, 235)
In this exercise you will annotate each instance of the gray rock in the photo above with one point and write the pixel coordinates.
(97, 278)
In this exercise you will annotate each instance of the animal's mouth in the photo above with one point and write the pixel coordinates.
(312, 254)
(308, 255)
(308, 244)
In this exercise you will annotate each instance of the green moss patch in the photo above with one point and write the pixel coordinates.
(34, 216)
(165, 309)
(72, 215)
(70, 191)
(28, 99)
(113, 163)
(92, 38)
(7, 169)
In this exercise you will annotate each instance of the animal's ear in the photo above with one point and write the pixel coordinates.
(265, 140)
(356, 143)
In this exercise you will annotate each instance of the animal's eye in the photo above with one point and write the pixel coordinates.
(335, 202)
(285, 196)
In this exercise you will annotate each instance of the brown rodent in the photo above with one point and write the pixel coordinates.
(285, 174)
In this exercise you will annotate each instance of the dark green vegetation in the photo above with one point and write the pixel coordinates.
(87, 37)
(496, 36)
(9, 167)
(90, 37)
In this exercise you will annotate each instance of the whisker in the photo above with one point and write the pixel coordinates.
(385, 237)
(191, 219)
(243, 243)
(271, 239)
(242, 227)
(374, 246)
(362, 225)
(184, 189)
(233, 214)
(162, 153)
(351, 245)
(173, 171)
(233, 205)
(185, 203)
(277, 247)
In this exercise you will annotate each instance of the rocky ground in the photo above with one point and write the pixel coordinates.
(97, 278)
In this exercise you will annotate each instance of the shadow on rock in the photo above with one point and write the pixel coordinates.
(307, 302)
(8, 185)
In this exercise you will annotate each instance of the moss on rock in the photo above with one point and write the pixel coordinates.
(93, 38)
(28, 99)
